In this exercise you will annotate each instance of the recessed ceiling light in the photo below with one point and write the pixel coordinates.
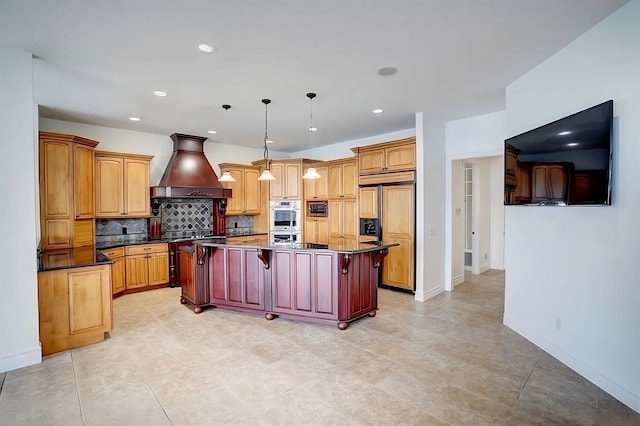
(386, 71)
(313, 129)
(205, 48)
(160, 93)
(566, 132)
(377, 111)
(134, 119)
(211, 131)
(572, 144)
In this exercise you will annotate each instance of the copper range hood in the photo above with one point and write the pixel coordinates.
(189, 174)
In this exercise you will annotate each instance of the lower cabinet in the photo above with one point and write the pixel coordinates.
(146, 265)
(550, 182)
(117, 269)
(239, 278)
(305, 283)
(75, 307)
(316, 230)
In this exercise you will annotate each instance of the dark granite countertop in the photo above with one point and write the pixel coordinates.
(245, 233)
(354, 247)
(50, 260)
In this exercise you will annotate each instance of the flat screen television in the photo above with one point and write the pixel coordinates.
(563, 163)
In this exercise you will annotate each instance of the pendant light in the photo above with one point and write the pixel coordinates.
(311, 172)
(266, 173)
(226, 177)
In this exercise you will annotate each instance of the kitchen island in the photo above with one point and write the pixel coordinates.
(332, 284)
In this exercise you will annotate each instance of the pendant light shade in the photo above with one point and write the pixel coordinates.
(226, 177)
(311, 172)
(266, 173)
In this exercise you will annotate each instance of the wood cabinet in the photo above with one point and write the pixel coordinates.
(146, 265)
(239, 279)
(117, 269)
(74, 307)
(511, 165)
(122, 185)
(550, 182)
(66, 164)
(288, 183)
(305, 283)
(316, 230)
(317, 189)
(522, 191)
(387, 157)
(245, 197)
(368, 202)
(257, 239)
(343, 221)
(398, 269)
(343, 179)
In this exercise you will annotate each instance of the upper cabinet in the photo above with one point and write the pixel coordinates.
(317, 189)
(387, 157)
(245, 199)
(66, 190)
(288, 183)
(343, 179)
(122, 185)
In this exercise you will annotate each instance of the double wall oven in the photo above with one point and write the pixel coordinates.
(285, 218)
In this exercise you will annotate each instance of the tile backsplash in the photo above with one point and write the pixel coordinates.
(239, 224)
(185, 217)
(120, 230)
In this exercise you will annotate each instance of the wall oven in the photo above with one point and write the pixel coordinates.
(285, 216)
(285, 238)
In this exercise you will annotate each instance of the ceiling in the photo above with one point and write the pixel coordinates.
(99, 62)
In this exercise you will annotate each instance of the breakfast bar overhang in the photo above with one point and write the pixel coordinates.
(332, 284)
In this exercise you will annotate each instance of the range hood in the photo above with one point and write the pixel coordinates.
(189, 174)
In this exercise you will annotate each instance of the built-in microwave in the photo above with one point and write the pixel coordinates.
(317, 208)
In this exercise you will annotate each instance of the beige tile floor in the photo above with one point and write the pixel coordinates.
(446, 361)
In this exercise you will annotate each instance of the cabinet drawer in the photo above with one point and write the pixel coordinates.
(113, 252)
(146, 248)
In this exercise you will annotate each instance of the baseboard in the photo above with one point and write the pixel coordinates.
(484, 268)
(24, 359)
(622, 394)
(432, 292)
(458, 280)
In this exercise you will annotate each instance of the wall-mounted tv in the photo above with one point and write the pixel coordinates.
(563, 163)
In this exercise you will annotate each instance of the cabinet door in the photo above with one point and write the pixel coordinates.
(558, 182)
(187, 277)
(293, 181)
(158, 268)
(235, 204)
(316, 230)
(350, 219)
(136, 188)
(335, 219)
(368, 202)
(251, 192)
(335, 181)
(84, 163)
(136, 271)
(350, 180)
(89, 300)
(398, 266)
(277, 187)
(56, 194)
(109, 187)
(401, 157)
(322, 184)
(371, 161)
(117, 275)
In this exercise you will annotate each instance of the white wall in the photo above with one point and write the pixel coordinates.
(572, 283)
(474, 137)
(343, 149)
(482, 193)
(457, 222)
(430, 206)
(19, 338)
(160, 146)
